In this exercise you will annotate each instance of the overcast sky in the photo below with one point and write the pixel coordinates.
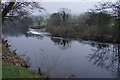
(75, 0)
(75, 7)
(57, 0)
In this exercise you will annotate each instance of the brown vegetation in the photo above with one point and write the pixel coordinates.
(99, 24)
(11, 57)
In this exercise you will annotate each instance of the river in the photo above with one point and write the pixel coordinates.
(61, 57)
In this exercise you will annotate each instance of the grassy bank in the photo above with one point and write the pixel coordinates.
(13, 66)
(12, 71)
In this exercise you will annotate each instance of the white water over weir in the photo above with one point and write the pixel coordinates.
(36, 32)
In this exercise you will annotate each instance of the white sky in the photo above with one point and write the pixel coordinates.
(75, 7)
(75, 0)
(58, 0)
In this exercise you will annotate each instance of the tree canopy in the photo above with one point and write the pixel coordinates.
(21, 9)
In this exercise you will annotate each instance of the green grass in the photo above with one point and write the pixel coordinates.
(11, 71)
(42, 24)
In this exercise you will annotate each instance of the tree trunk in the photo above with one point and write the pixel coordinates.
(118, 22)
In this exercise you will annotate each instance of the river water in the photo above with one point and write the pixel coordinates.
(60, 57)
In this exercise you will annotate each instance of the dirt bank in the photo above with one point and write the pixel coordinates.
(11, 57)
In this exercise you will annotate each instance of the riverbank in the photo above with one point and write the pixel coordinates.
(81, 37)
(69, 31)
(14, 66)
(11, 57)
(12, 71)
(78, 37)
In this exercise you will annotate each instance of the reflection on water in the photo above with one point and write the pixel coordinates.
(64, 43)
(61, 57)
(12, 31)
(13, 28)
(33, 35)
(107, 57)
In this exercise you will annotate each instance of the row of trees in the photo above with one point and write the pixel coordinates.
(102, 23)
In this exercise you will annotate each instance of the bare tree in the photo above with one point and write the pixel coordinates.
(21, 9)
(114, 9)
